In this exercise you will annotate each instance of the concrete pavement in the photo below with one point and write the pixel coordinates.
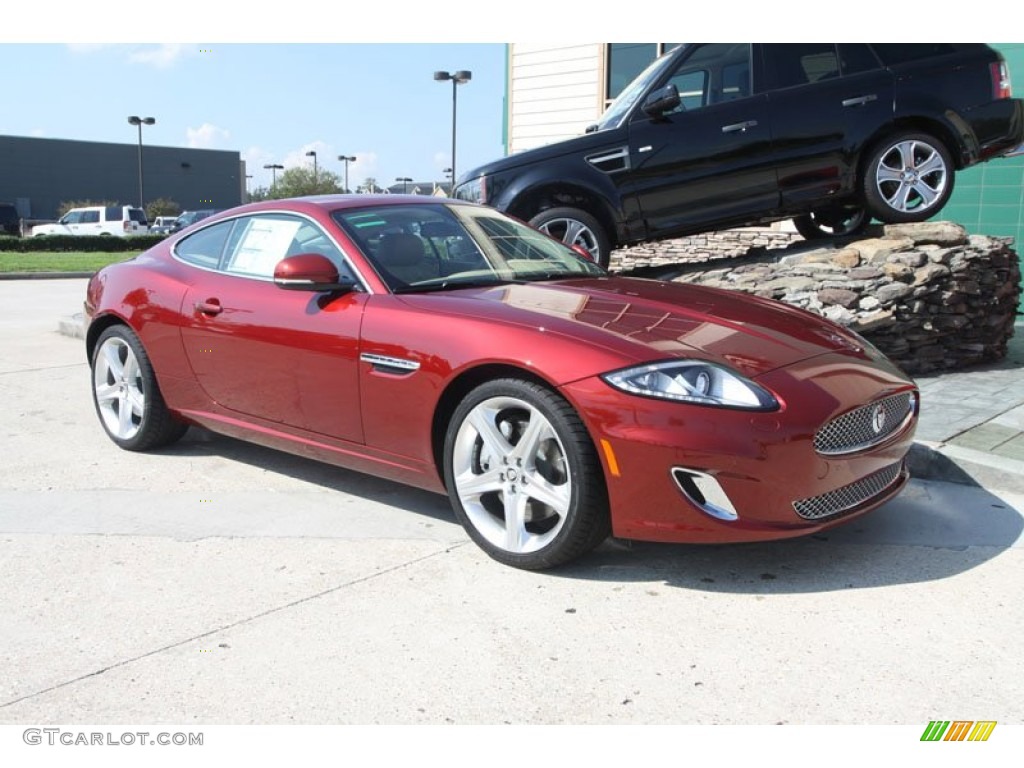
(219, 582)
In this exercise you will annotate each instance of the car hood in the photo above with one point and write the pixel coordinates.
(587, 143)
(646, 320)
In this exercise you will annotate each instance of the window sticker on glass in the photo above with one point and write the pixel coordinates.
(264, 243)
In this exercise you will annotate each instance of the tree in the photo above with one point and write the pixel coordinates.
(67, 205)
(162, 206)
(299, 181)
(369, 186)
(259, 194)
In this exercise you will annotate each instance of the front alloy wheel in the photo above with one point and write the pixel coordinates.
(523, 475)
(908, 178)
(575, 227)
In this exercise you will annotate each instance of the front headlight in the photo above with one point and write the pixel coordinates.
(474, 190)
(693, 381)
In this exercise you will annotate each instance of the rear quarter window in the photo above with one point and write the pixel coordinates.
(900, 53)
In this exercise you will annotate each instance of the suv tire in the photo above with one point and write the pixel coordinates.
(575, 227)
(907, 177)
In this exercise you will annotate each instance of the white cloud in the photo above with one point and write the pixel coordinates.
(206, 136)
(86, 47)
(37, 133)
(160, 56)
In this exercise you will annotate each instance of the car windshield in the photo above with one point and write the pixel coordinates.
(432, 247)
(623, 104)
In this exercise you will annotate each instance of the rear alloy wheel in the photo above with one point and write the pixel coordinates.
(523, 476)
(838, 222)
(126, 395)
(575, 227)
(909, 177)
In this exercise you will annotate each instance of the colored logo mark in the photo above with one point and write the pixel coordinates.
(958, 730)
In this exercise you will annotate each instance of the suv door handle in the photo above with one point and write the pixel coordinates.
(860, 101)
(209, 307)
(739, 126)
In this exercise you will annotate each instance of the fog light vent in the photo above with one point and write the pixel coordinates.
(705, 493)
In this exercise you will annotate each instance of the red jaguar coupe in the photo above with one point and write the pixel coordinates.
(444, 345)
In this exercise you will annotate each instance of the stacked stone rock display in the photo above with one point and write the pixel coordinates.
(928, 295)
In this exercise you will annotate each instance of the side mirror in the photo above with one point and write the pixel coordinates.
(592, 128)
(662, 100)
(310, 272)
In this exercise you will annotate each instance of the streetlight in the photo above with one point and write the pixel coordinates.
(312, 153)
(405, 180)
(140, 121)
(274, 168)
(457, 78)
(346, 159)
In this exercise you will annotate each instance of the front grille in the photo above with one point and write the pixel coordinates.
(849, 496)
(866, 426)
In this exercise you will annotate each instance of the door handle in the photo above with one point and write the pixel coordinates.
(739, 127)
(860, 101)
(208, 307)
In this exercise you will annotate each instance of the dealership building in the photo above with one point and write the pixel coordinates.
(37, 175)
(554, 92)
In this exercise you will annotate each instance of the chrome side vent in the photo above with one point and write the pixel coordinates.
(611, 162)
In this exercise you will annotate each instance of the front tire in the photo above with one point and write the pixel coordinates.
(575, 227)
(908, 177)
(523, 476)
(126, 395)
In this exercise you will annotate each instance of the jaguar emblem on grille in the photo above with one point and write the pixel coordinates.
(878, 419)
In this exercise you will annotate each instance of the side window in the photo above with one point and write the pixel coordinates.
(713, 74)
(856, 57)
(204, 248)
(793, 64)
(113, 213)
(72, 217)
(90, 217)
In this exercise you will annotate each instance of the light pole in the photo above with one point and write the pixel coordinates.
(457, 78)
(274, 168)
(140, 121)
(405, 181)
(312, 153)
(346, 159)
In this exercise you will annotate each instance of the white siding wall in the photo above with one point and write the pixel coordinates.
(554, 92)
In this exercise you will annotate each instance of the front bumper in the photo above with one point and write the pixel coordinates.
(685, 473)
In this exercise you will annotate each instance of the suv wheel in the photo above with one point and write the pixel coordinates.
(908, 177)
(575, 227)
(838, 222)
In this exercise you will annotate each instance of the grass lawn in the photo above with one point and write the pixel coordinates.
(58, 261)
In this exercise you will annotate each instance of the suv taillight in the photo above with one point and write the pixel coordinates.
(1000, 80)
(127, 225)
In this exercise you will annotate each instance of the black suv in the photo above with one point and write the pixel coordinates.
(729, 134)
(10, 222)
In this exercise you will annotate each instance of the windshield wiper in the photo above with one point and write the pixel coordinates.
(442, 284)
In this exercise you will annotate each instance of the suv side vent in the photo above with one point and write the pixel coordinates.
(611, 162)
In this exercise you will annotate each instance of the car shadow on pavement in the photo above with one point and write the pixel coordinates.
(201, 442)
(932, 531)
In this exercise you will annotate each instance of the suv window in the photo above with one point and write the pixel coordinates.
(712, 74)
(856, 57)
(793, 64)
(89, 217)
(114, 213)
(899, 53)
(137, 214)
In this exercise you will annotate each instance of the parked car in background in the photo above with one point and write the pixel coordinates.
(187, 218)
(162, 225)
(119, 220)
(730, 134)
(448, 346)
(10, 221)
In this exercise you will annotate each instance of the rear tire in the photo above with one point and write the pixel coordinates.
(126, 395)
(841, 222)
(908, 177)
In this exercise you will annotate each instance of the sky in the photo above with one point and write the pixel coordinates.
(353, 79)
(272, 102)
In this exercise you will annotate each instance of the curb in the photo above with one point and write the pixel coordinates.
(44, 275)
